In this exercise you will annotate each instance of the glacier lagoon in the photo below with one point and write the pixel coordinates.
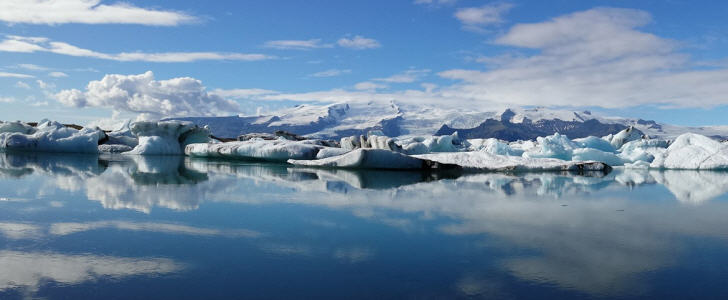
(173, 227)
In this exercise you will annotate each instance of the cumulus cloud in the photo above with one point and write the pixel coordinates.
(296, 44)
(53, 12)
(359, 43)
(21, 44)
(330, 73)
(152, 99)
(7, 99)
(475, 17)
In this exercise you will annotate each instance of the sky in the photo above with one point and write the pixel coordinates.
(84, 60)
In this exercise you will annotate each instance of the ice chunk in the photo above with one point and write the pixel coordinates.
(370, 159)
(257, 149)
(627, 135)
(52, 136)
(595, 143)
(114, 148)
(493, 146)
(166, 137)
(329, 152)
(693, 151)
(584, 154)
(16, 127)
(553, 146)
(490, 162)
(122, 136)
(369, 142)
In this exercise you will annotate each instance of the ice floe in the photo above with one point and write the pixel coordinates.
(49, 136)
(259, 149)
(167, 137)
(492, 162)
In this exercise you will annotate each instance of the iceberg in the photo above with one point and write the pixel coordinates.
(483, 161)
(50, 136)
(372, 159)
(627, 135)
(693, 151)
(492, 146)
(584, 154)
(279, 150)
(553, 146)
(166, 137)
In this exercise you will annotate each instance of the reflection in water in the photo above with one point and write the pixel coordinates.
(586, 233)
(26, 270)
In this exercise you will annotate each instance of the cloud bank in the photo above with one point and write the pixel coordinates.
(53, 12)
(150, 98)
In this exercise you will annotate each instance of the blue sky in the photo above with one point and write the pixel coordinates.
(662, 60)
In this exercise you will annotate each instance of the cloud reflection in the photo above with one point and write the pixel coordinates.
(28, 270)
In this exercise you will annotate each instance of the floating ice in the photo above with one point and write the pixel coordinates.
(492, 146)
(259, 149)
(584, 154)
(16, 127)
(627, 135)
(490, 162)
(693, 151)
(370, 159)
(166, 137)
(596, 143)
(553, 146)
(51, 136)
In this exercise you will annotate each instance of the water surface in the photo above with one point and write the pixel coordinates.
(129, 227)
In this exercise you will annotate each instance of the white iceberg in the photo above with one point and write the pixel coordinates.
(369, 159)
(553, 146)
(166, 137)
(259, 149)
(50, 136)
(483, 161)
(693, 151)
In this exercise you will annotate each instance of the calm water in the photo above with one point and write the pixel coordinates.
(84, 227)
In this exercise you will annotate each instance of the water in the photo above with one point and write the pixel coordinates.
(88, 227)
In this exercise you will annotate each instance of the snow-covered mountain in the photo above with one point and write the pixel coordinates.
(400, 119)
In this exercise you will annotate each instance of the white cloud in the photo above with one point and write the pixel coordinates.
(296, 44)
(596, 57)
(330, 73)
(57, 74)
(52, 12)
(45, 85)
(369, 86)
(148, 97)
(22, 85)
(242, 93)
(32, 67)
(474, 18)
(408, 76)
(7, 99)
(15, 75)
(358, 42)
(21, 44)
